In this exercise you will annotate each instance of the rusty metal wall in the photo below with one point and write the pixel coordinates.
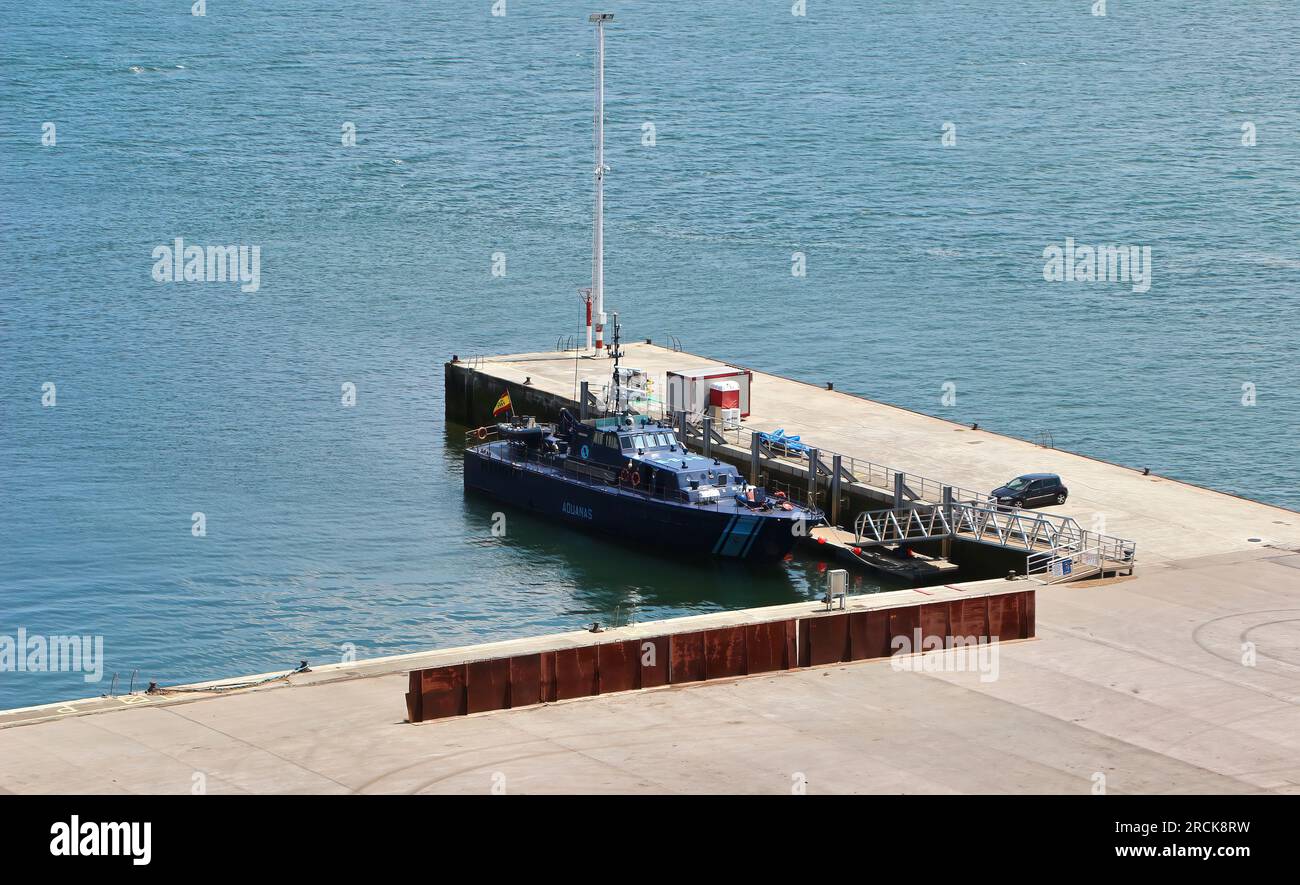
(827, 637)
(767, 646)
(934, 620)
(575, 673)
(903, 622)
(442, 692)
(487, 685)
(721, 653)
(1028, 626)
(969, 617)
(525, 680)
(724, 653)
(618, 666)
(414, 710)
(1004, 616)
(655, 656)
(686, 653)
(547, 688)
(868, 635)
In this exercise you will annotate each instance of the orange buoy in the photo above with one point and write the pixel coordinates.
(857, 551)
(481, 433)
(821, 540)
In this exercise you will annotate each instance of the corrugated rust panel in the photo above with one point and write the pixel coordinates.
(968, 617)
(1004, 616)
(442, 692)
(765, 647)
(878, 634)
(791, 643)
(525, 680)
(868, 635)
(654, 656)
(828, 638)
(1028, 623)
(575, 673)
(903, 625)
(618, 666)
(413, 711)
(934, 621)
(857, 636)
(548, 677)
(724, 652)
(487, 685)
(687, 654)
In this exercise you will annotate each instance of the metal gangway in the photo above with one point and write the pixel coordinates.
(1056, 547)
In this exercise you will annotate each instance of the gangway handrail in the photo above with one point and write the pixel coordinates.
(1009, 527)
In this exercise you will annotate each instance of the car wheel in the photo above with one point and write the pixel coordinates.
(1017, 503)
(1060, 498)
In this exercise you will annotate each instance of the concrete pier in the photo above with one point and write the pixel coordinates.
(1137, 685)
(1170, 520)
(1179, 679)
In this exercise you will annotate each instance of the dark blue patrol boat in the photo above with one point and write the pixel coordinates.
(625, 474)
(630, 476)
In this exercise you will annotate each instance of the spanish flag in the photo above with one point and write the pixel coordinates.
(502, 404)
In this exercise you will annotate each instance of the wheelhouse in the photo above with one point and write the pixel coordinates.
(649, 456)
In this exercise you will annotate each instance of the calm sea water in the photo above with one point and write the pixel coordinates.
(329, 525)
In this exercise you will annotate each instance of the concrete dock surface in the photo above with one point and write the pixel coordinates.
(1168, 519)
(1136, 684)
(1184, 678)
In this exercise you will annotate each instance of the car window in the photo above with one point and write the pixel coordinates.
(1018, 483)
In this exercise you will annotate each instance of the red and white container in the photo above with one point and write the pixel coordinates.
(692, 390)
(724, 395)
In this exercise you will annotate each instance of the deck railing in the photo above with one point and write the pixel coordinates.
(916, 488)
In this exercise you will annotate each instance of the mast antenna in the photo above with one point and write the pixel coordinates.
(598, 235)
(617, 387)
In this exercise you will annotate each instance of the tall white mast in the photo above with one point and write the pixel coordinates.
(598, 236)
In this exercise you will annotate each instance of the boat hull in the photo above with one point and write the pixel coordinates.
(681, 529)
